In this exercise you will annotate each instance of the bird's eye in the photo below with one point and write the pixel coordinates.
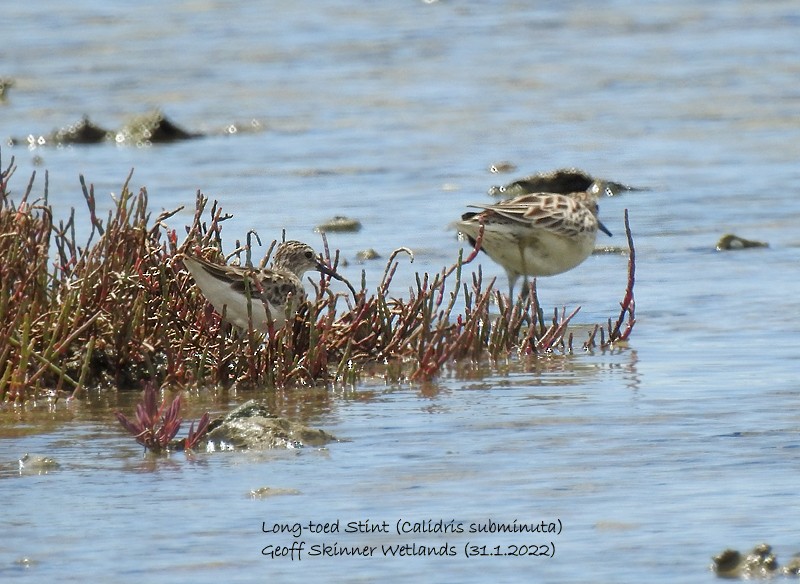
(310, 254)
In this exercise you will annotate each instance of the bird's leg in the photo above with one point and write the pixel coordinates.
(526, 289)
(512, 281)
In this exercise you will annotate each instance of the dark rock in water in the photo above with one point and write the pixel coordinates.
(562, 180)
(83, 132)
(251, 426)
(731, 242)
(339, 224)
(152, 128)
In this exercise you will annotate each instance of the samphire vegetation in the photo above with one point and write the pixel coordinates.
(117, 308)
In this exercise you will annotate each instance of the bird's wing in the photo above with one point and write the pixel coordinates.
(554, 212)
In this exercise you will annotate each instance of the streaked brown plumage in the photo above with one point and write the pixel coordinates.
(274, 292)
(539, 234)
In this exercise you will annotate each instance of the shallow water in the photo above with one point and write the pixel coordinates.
(653, 457)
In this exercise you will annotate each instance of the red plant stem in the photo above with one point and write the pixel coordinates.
(628, 304)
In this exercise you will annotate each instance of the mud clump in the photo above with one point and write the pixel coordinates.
(143, 130)
(37, 464)
(563, 181)
(152, 128)
(252, 427)
(83, 132)
(759, 564)
(339, 224)
(729, 242)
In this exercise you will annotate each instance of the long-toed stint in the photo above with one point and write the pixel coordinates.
(539, 234)
(273, 294)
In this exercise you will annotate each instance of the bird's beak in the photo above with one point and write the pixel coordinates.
(603, 228)
(321, 267)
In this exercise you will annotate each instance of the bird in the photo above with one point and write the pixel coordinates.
(270, 295)
(536, 234)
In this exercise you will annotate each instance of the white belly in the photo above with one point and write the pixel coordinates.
(538, 253)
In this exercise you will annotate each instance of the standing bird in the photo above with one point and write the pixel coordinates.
(273, 294)
(538, 234)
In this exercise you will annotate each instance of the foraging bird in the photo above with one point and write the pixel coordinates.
(272, 294)
(539, 234)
